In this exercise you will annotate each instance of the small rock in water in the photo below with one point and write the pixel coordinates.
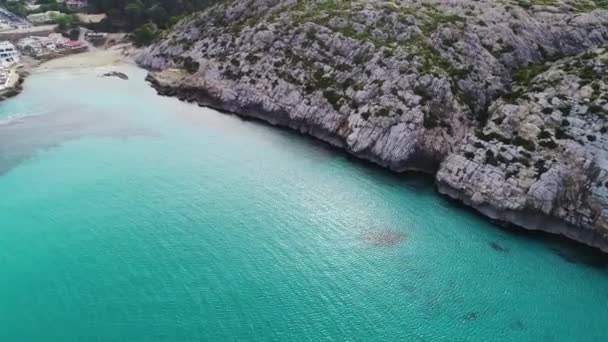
(518, 325)
(471, 316)
(384, 238)
(498, 247)
(116, 74)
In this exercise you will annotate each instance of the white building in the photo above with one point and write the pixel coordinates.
(8, 54)
(38, 46)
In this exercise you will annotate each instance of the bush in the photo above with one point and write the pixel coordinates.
(383, 111)
(145, 34)
(252, 58)
(191, 65)
(490, 158)
(527, 144)
(562, 134)
(548, 144)
(333, 98)
(133, 13)
(430, 120)
(594, 108)
(525, 74)
(547, 110)
(541, 168)
(65, 21)
(311, 34)
(74, 34)
(544, 134)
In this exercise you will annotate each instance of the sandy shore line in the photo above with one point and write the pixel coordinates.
(116, 55)
(122, 54)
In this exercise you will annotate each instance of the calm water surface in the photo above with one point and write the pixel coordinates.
(131, 217)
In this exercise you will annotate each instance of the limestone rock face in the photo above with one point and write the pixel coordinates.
(476, 92)
(541, 159)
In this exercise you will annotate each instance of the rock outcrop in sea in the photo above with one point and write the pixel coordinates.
(505, 102)
(117, 74)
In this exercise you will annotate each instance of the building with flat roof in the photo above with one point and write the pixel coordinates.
(39, 46)
(8, 54)
(51, 46)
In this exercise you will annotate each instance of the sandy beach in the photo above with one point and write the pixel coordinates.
(97, 57)
(115, 55)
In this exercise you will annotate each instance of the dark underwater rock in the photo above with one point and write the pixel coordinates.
(118, 74)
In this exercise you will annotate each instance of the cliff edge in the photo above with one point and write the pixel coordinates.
(505, 102)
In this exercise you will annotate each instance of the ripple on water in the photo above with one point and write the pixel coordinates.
(384, 237)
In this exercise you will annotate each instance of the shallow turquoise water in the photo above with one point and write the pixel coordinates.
(132, 217)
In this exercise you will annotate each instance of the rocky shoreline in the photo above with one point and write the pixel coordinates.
(165, 87)
(506, 104)
(520, 219)
(16, 88)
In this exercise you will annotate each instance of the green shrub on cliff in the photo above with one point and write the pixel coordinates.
(333, 98)
(191, 65)
(145, 34)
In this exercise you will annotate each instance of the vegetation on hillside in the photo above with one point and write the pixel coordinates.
(20, 8)
(145, 18)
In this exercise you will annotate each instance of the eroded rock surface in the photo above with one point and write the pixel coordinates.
(541, 160)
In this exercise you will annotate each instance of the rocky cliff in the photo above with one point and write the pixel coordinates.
(504, 101)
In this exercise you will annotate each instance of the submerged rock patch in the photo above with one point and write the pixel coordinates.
(518, 325)
(384, 238)
(471, 316)
(118, 74)
(498, 247)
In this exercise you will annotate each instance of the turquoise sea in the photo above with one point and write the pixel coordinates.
(131, 217)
